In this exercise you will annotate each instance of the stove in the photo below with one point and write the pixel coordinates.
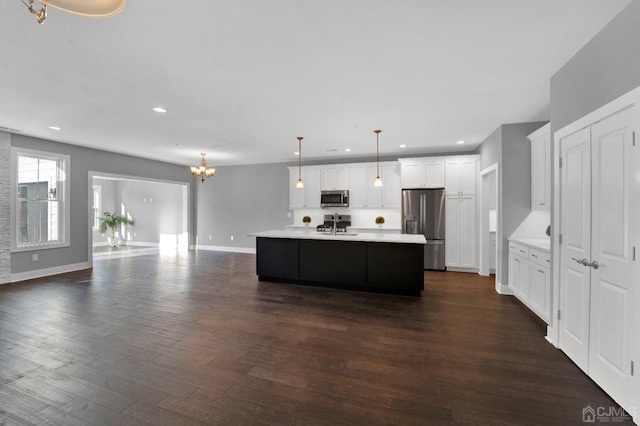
(343, 221)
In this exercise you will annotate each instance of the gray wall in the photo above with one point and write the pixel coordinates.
(603, 70)
(240, 200)
(509, 146)
(156, 208)
(84, 160)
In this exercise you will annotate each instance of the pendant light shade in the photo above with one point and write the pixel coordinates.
(378, 181)
(88, 8)
(300, 184)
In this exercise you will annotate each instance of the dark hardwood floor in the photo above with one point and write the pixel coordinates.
(196, 339)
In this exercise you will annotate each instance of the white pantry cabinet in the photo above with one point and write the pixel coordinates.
(541, 168)
(460, 231)
(461, 174)
(425, 172)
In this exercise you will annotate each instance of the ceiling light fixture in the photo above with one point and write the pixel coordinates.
(460, 142)
(299, 184)
(92, 9)
(55, 128)
(159, 109)
(403, 146)
(202, 171)
(378, 181)
(347, 150)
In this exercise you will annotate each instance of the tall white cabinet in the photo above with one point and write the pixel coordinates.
(461, 243)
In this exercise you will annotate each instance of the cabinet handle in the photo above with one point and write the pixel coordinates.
(521, 251)
(533, 255)
(542, 204)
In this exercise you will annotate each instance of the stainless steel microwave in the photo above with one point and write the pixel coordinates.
(334, 198)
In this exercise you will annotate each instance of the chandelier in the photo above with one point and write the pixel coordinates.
(202, 171)
(90, 8)
(300, 184)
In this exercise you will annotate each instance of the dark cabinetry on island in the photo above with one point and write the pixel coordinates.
(357, 265)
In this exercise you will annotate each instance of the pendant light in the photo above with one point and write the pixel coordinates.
(299, 184)
(378, 181)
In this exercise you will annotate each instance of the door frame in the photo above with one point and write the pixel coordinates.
(186, 203)
(485, 256)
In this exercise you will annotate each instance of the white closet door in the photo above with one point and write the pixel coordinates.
(575, 217)
(612, 283)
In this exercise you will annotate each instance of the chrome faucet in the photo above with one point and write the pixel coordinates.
(335, 223)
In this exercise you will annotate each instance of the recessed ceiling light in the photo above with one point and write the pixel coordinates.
(296, 153)
(403, 146)
(55, 128)
(347, 150)
(159, 109)
(460, 142)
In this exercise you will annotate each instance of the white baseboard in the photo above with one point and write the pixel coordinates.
(39, 273)
(550, 336)
(455, 269)
(226, 248)
(139, 243)
(503, 289)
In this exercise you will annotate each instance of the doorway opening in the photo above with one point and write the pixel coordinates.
(159, 209)
(489, 259)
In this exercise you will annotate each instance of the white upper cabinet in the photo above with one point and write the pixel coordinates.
(422, 173)
(335, 178)
(392, 190)
(541, 168)
(309, 196)
(461, 175)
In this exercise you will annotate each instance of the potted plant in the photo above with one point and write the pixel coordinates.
(306, 220)
(112, 221)
(380, 221)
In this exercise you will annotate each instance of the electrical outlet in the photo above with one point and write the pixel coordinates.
(232, 238)
(209, 237)
(289, 215)
(34, 257)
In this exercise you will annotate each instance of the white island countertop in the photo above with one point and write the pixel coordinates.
(312, 234)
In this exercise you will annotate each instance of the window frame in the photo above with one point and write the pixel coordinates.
(63, 196)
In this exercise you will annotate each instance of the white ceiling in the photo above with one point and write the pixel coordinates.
(243, 78)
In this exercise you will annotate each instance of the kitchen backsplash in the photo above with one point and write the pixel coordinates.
(360, 218)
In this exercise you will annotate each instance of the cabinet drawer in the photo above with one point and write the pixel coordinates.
(540, 257)
(518, 249)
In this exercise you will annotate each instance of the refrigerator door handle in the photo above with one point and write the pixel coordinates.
(423, 213)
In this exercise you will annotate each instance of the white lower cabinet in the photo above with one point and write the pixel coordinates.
(460, 231)
(530, 278)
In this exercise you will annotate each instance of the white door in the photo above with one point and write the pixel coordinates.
(312, 188)
(434, 174)
(357, 190)
(391, 190)
(575, 225)
(613, 282)
(374, 193)
(468, 175)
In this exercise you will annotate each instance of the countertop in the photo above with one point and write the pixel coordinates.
(537, 243)
(350, 228)
(312, 234)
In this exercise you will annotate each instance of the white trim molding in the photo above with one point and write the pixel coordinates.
(39, 273)
(227, 249)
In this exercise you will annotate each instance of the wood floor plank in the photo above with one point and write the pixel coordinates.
(195, 339)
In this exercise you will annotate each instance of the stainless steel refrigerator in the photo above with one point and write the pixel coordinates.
(423, 213)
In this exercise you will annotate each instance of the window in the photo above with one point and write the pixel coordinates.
(41, 202)
(97, 206)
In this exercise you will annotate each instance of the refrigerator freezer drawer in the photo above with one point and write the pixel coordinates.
(434, 255)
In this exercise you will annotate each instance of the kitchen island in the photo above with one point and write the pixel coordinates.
(387, 263)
